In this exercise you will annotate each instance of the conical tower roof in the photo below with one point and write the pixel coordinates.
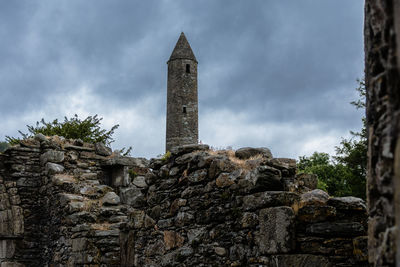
(182, 49)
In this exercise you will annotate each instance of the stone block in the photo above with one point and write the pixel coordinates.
(315, 213)
(276, 234)
(308, 180)
(313, 198)
(53, 168)
(60, 179)
(110, 198)
(172, 239)
(79, 244)
(52, 156)
(269, 199)
(179, 150)
(7, 248)
(248, 152)
(265, 178)
(140, 181)
(197, 176)
(296, 260)
(348, 203)
(102, 149)
(132, 196)
(11, 264)
(224, 180)
(17, 220)
(336, 229)
(249, 219)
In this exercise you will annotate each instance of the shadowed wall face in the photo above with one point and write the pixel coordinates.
(383, 116)
(182, 103)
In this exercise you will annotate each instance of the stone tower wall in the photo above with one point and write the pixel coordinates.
(182, 107)
(182, 102)
(383, 117)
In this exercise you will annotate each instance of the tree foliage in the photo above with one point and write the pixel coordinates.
(345, 173)
(88, 130)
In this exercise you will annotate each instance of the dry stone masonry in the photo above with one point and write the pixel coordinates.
(70, 203)
(382, 39)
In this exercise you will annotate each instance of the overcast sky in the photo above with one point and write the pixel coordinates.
(276, 73)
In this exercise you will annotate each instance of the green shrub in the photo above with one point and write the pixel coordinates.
(166, 156)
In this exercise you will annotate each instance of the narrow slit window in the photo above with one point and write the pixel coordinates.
(187, 68)
(184, 110)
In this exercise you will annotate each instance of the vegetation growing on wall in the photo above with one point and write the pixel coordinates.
(88, 130)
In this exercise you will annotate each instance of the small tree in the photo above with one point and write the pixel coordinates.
(353, 152)
(332, 177)
(345, 173)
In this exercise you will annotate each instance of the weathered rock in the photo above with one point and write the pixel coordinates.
(224, 180)
(80, 217)
(179, 150)
(249, 220)
(7, 248)
(139, 181)
(269, 199)
(298, 260)
(360, 248)
(248, 152)
(196, 235)
(276, 234)
(336, 229)
(184, 218)
(102, 149)
(314, 197)
(30, 142)
(265, 178)
(285, 165)
(172, 239)
(52, 156)
(79, 142)
(40, 137)
(53, 168)
(65, 198)
(315, 213)
(60, 179)
(220, 251)
(309, 181)
(218, 165)
(110, 198)
(348, 203)
(197, 176)
(81, 148)
(132, 196)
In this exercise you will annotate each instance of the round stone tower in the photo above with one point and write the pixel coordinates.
(182, 106)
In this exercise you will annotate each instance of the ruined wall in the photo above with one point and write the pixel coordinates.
(69, 203)
(383, 109)
(57, 205)
(206, 208)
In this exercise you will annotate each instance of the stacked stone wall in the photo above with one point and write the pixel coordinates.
(20, 210)
(383, 117)
(206, 208)
(69, 203)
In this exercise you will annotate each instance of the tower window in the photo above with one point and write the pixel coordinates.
(184, 110)
(187, 68)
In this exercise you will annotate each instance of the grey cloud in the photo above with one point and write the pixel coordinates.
(278, 61)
